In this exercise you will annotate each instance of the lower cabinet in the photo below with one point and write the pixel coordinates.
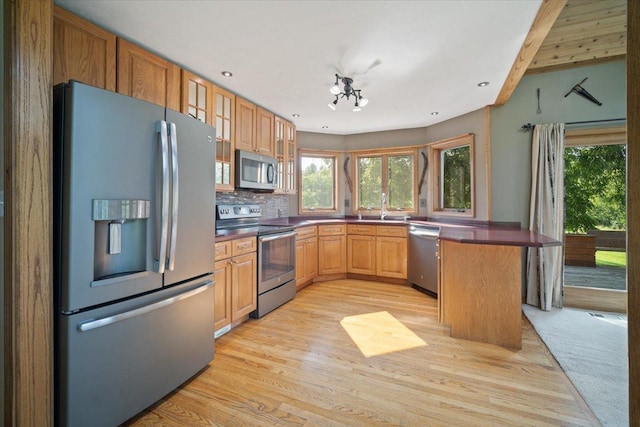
(332, 249)
(361, 254)
(306, 256)
(236, 273)
(377, 250)
(391, 257)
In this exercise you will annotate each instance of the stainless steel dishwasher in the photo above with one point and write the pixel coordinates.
(422, 270)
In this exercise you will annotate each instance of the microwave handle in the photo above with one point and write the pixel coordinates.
(270, 174)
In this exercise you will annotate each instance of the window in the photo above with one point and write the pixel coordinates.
(318, 182)
(389, 172)
(452, 176)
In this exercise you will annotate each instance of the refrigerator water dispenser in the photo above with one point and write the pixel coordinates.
(120, 242)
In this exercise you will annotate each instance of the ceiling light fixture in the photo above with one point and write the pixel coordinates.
(227, 73)
(325, 127)
(483, 84)
(435, 113)
(296, 115)
(346, 91)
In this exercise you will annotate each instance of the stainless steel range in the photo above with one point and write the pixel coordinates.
(276, 254)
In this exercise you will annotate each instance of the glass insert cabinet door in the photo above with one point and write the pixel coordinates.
(225, 108)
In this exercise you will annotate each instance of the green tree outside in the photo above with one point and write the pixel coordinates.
(595, 188)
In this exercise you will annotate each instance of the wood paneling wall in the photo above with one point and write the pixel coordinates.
(633, 208)
(28, 269)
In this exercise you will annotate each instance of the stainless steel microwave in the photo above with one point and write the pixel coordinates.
(255, 171)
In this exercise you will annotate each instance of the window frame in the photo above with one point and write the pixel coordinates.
(384, 154)
(336, 187)
(435, 162)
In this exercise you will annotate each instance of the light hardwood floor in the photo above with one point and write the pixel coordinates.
(298, 366)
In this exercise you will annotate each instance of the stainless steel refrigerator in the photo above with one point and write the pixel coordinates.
(134, 202)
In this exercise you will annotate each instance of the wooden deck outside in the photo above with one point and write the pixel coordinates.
(596, 277)
(299, 366)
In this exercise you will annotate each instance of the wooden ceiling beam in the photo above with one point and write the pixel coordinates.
(544, 20)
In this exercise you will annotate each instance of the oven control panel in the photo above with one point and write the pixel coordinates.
(238, 211)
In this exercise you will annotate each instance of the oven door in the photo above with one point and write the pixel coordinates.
(276, 260)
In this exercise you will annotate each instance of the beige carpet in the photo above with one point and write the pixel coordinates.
(591, 347)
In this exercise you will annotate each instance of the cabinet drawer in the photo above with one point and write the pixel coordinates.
(223, 250)
(330, 230)
(306, 232)
(392, 230)
(369, 230)
(243, 246)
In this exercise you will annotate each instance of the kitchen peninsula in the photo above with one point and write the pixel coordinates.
(480, 274)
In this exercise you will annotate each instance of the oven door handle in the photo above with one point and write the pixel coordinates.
(277, 236)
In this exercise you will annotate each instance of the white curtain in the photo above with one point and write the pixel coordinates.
(546, 216)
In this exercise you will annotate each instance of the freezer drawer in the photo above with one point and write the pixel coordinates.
(113, 362)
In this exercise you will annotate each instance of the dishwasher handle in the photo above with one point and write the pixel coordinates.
(423, 234)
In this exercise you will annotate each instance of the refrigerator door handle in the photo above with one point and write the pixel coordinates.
(175, 188)
(164, 215)
(105, 321)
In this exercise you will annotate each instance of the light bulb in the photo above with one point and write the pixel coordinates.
(356, 109)
(335, 89)
(333, 107)
(363, 101)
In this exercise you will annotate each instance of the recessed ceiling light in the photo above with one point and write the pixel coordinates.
(227, 73)
(296, 115)
(434, 113)
(325, 127)
(483, 84)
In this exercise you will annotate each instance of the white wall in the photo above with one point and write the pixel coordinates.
(511, 149)
(473, 122)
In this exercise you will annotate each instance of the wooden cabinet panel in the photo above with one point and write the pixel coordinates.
(245, 124)
(332, 254)
(331, 230)
(391, 257)
(222, 299)
(244, 285)
(197, 97)
(82, 51)
(391, 230)
(144, 75)
(223, 250)
(305, 232)
(306, 257)
(243, 246)
(368, 230)
(224, 115)
(311, 257)
(361, 254)
(264, 132)
(300, 263)
(480, 292)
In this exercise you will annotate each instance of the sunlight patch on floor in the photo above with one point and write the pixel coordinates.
(380, 333)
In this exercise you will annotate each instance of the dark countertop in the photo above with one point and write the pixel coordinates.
(472, 233)
(224, 235)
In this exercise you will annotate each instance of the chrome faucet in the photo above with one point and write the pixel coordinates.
(383, 210)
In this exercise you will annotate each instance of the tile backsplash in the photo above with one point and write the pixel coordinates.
(271, 204)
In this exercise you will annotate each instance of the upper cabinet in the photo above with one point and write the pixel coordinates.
(144, 75)
(197, 97)
(264, 132)
(225, 109)
(82, 51)
(285, 154)
(254, 128)
(245, 124)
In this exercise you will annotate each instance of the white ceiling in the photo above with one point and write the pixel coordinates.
(409, 58)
